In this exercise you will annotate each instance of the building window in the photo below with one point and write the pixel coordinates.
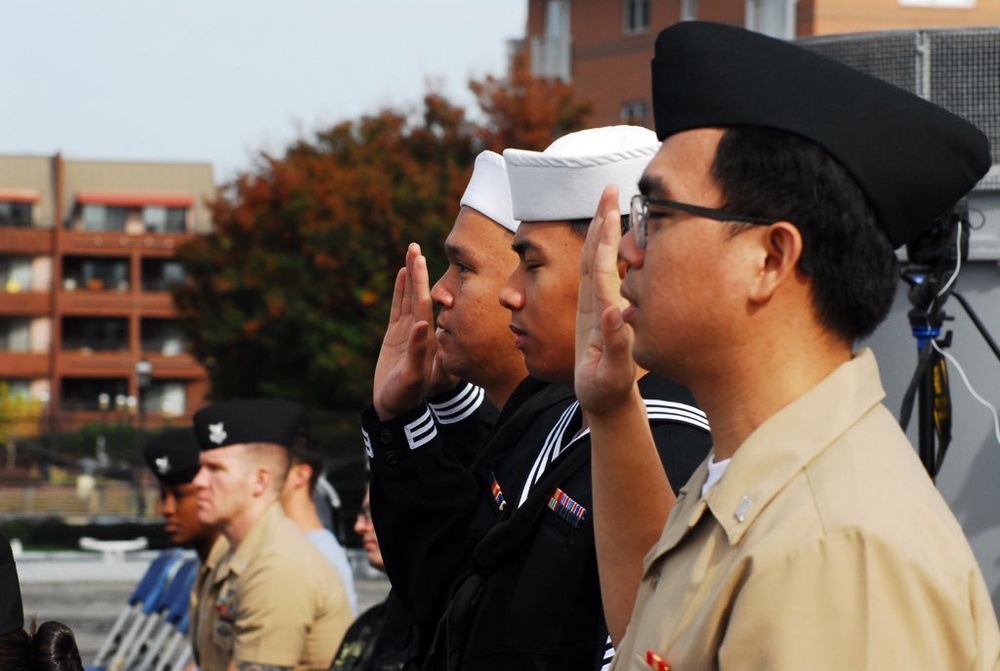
(95, 273)
(635, 15)
(159, 219)
(962, 4)
(97, 334)
(104, 218)
(15, 334)
(771, 17)
(15, 273)
(161, 274)
(550, 53)
(16, 214)
(166, 397)
(85, 393)
(163, 336)
(635, 113)
(557, 18)
(16, 388)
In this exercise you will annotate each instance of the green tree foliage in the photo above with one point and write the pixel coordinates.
(19, 414)
(289, 296)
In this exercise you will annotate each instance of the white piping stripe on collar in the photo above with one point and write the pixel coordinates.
(676, 412)
(656, 409)
(553, 443)
(455, 409)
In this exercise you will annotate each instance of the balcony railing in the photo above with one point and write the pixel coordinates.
(550, 57)
(94, 344)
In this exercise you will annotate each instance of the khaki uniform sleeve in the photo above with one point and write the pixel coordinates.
(854, 602)
(275, 613)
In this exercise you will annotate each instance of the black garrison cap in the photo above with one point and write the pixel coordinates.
(11, 608)
(260, 420)
(913, 159)
(173, 456)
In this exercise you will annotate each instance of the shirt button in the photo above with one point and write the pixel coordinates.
(385, 436)
(391, 458)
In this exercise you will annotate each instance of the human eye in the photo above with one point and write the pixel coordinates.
(660, 212)
(531, 264)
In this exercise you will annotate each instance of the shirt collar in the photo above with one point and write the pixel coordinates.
(771, 456)
(258, 534)
(791, 438)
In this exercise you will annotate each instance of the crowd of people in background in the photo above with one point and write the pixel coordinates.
(641, 438)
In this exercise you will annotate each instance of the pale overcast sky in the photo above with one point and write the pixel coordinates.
(218, 80)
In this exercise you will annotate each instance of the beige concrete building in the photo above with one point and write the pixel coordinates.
(87, 260)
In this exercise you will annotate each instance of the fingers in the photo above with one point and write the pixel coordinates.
(416, 351)
(607, 281)
(397, 296)
(599, 281)
(421, 304)
(412, 253)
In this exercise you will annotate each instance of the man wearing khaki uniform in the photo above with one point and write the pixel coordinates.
(760, 253)
(273, 601)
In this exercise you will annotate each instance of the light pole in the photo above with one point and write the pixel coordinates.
(143, 377)
(103, 402)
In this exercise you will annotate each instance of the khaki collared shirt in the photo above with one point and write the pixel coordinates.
(824, 546)
(276, 601)
(202, 612)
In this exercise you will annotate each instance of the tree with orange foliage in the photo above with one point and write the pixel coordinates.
(289, 296)
(527, 112)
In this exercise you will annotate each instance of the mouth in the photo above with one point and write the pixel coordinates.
(519, 336)
(630, 309)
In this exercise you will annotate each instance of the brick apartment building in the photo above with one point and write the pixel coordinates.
(87, 259)
(585, 41)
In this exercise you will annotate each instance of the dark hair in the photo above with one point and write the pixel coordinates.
(50, 646)
(15, 650)
(305, 450)
(581, 226)
(55, 648)
(783, 177)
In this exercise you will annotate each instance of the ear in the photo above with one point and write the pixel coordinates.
(299, 475)
(780, 251)
(261, 481)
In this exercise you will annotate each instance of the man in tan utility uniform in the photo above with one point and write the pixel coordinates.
(273, 602)
(760, 252)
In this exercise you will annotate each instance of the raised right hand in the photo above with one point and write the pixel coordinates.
(406, 360)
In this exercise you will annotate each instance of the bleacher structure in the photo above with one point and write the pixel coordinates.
(150, 634)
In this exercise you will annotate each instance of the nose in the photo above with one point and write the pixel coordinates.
(511, 296)
(629, 252)
(440, 294)
(200, 478)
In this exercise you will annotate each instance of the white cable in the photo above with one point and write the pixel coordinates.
(968, 385)
(958, 262)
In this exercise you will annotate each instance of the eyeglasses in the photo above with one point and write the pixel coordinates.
(639, 215)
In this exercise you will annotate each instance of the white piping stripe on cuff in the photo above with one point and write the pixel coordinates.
(368, 444)
(421, 430)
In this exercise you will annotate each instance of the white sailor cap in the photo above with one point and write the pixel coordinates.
(488, 191)
(566, 180)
